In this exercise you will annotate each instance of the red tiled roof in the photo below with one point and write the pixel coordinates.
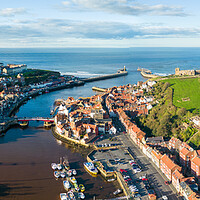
(184, 151)
(168, 162)
(196, 160)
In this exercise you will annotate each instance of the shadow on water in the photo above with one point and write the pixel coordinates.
(6, 190)
(17, 133)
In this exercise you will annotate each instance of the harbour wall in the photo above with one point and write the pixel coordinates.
(98, 78)
(98, 89)
(147, 75)
(67, 139)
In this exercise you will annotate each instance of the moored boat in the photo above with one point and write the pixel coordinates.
(62, 174)
(73, 180)
(63, 196)
(59, 166)
(74, 172)
(66, 163)
(76, 187)
(54, 166)
(57, 174)
(118, 191)
(69, 173)
(71, 195)
(82, 188)
(81, 195)
(90, 167)
(66, 184)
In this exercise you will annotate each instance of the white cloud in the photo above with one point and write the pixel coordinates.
(50, 29)
(125, 7)
(9, 12)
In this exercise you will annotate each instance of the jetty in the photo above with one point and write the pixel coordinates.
(98, 89)
(120, 72)
(146, 73)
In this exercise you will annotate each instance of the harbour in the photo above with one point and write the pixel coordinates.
(28, 152)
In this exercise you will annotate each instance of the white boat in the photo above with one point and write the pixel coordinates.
(62, 174)
(111, 180)
(81, 195)
(73, 180)
(69, 173)
(59, 166)
(54, 166)
(63, 196)
(76, 187)
(90, 167)
(66, 184)
(57, 174)
(74, 172)
(71, 195)
(118, 191)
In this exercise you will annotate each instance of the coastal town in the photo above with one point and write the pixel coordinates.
(15, 89)
(145, 167)
(89, 120)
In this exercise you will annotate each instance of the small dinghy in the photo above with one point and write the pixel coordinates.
(54, 166)
(57, 174)
(66, 184)
(81, 195)
(82, 188)
(74, 172)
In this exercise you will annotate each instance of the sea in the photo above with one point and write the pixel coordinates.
(26, 154)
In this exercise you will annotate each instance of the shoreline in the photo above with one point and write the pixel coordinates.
(10, 122)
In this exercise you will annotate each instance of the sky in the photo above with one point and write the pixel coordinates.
(99, 23)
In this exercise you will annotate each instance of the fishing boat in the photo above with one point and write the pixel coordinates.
(66, 163)
(63, 196)
(111, 180)
(57, 174)
(59, 166)
(81, 195)
(62, 174)
(54, 166)
(118, 191)
(90, 167)
(71, 195)
(82, 188)
(69, 173)
(73, 180)
(74, 172)
(66, 184)
(76, 187)
(24, 123)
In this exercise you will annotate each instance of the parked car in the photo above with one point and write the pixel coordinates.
(167, 182)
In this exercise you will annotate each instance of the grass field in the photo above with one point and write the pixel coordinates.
(186, 92)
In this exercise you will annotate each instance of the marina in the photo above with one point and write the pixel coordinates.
(26, 165)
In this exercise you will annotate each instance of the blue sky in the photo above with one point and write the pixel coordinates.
(99, 23)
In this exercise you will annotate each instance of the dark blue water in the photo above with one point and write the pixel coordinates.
(102, 61)
(26, 154)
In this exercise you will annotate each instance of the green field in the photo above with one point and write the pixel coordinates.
(186, 92)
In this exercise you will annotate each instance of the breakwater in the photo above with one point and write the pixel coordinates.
(98, 78)
(148, 75)
(98, 89)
